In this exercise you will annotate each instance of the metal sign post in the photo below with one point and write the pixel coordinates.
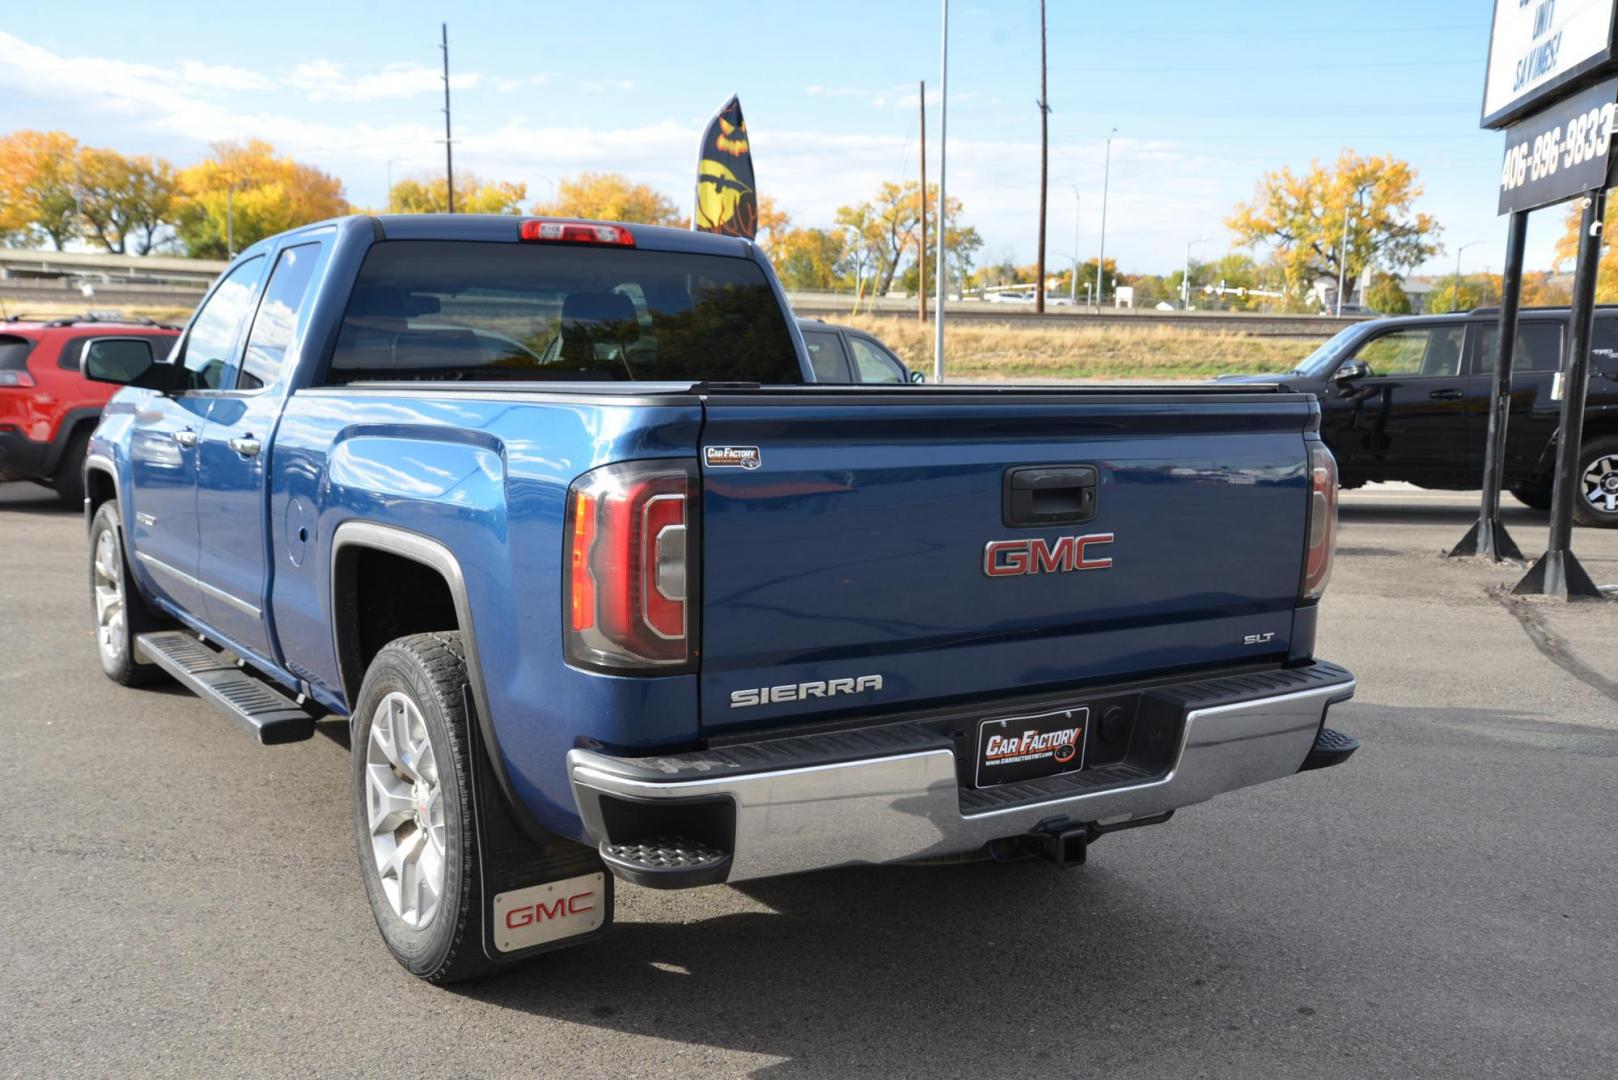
(1558, 573)
(1488, 537)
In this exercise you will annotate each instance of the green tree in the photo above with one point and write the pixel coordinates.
(1452, 295)
(1386, 294)
(1302, 218)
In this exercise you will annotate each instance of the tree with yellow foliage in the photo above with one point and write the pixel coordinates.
(1567, 249)
(610, 197)
(1302, 218)
(38, 187)
(124, 201)
(261, 192)
(472, 196)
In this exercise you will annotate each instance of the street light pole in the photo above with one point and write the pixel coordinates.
(1073, 286)
(1456, 292)
(1342, 261)
(1185, 280)
(1101, 256)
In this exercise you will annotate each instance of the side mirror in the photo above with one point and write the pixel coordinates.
(124, 362)
(1349, 370)
(918, 376)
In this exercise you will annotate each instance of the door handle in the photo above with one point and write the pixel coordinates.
(245, 445)
(1447, 395)
(186, 437)
(1036, 495)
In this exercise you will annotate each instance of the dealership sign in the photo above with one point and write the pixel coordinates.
(1541, 50)
(1564, 151)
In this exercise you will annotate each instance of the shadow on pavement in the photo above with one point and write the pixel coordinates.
(922, 971)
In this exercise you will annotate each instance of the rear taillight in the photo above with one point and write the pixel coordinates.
(16, 378)
(631, 570)
(576, 232)
(1322, 536)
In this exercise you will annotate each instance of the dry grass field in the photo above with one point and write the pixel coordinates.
(992, 351)
(982, 351)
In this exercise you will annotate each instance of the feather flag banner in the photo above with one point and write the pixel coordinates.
(726, 200)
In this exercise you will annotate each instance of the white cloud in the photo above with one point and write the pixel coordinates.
(222, 77)
(324, 80)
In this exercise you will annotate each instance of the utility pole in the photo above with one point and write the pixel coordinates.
(943, 214)
(1101, 257)
(1044, 165)
(921, 255)
(230, 220)
(1073, 284)
(449, 152)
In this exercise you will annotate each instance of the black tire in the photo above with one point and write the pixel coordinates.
(1598, 475)
(429, 670)
(69, 478)
(117, 651)
(1535, 498)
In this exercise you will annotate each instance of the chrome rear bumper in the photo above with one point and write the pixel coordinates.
(904, 806)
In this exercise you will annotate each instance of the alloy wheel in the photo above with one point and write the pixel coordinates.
(1601, 484)
(405, 804)
(109, 597)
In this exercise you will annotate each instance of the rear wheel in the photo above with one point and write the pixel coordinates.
(1595, 498)
(119, 613)
(69, 478)
(1535, 498)
(413, 817)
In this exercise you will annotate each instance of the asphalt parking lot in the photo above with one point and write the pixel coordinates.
(179, 901)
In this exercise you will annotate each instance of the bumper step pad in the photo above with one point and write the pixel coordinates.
(213, 676)
(1331, 747)
(667, 862)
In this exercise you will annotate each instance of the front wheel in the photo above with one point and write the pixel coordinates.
(412, 787)
(1595, 497)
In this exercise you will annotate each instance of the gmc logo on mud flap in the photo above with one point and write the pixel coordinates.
(523, 918)
(1013, 558)
(563, 906)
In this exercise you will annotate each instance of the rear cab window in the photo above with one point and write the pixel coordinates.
(467, 310)
(826, 356)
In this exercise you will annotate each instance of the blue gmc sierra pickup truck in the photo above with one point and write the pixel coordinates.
(551, 514)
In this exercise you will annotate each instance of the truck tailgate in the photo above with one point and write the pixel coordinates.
(854, 543)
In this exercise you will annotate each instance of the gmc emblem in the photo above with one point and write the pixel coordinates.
(1013, 558)
(577, 904)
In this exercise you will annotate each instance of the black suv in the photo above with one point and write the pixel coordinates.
(1408, 399)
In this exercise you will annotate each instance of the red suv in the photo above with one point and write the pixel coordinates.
(47, 408)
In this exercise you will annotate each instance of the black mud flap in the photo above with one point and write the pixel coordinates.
(539, 894)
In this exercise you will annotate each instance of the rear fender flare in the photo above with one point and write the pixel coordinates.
(435, 556)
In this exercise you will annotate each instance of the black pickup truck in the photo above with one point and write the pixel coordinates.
(1408, 399)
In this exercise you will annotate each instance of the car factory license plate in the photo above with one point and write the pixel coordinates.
(1028, 747)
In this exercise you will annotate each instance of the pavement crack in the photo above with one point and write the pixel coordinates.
(1555, 648)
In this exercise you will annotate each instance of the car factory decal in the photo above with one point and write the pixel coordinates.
(732, 457)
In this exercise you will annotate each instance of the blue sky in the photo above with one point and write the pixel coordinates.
(1206, 97)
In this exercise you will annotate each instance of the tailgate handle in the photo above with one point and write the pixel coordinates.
(1035, 495)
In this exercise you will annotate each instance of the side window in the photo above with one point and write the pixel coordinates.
(279, 316)
(207, 348)
(826, 356)
(1539, 347)
(1434, 351)
(874, 363)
